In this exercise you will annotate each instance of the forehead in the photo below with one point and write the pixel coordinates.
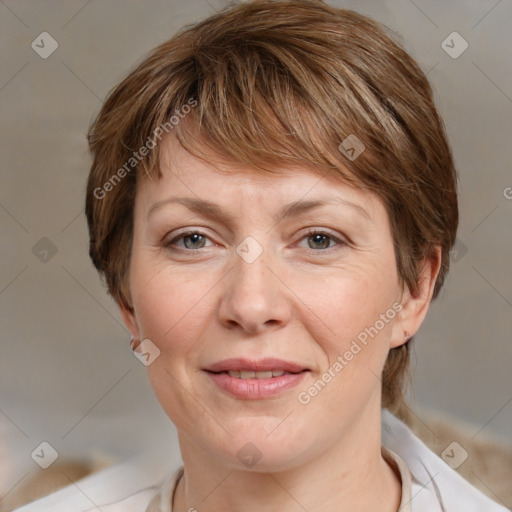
(240, 188)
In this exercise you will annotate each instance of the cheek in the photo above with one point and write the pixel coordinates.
(346, 304)
(171, 312)
(170, 305)
(350, 318)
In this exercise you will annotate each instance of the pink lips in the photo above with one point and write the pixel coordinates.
(289, 374)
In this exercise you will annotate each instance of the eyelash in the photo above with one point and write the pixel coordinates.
(309, 233)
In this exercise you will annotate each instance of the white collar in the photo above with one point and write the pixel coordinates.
(435, 484)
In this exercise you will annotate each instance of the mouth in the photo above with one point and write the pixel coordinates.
(256, 379)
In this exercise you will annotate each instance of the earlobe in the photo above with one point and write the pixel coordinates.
(415, 306)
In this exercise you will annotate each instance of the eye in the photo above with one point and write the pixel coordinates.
(320, 240)
(192, 240)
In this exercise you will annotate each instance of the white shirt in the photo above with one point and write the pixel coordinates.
(147, 483)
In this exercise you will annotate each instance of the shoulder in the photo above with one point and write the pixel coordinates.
(124, 487)
(435, 485)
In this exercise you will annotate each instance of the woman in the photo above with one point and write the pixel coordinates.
(272, 203)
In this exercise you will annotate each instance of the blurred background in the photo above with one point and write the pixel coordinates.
(67, 375)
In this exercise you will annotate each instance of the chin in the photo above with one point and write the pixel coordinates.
(256, 450)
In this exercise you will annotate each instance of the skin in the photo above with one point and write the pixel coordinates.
(304, 299)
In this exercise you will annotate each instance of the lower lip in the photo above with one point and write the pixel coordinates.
(254, 389)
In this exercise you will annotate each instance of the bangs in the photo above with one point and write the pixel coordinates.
(261, 108)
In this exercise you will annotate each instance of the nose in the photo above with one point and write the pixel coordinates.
(254, 299)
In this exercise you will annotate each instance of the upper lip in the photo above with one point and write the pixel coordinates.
(266, 364)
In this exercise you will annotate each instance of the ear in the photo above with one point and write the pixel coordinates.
(130, 321)
(415, 306)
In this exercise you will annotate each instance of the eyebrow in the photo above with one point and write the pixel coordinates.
(213, 210)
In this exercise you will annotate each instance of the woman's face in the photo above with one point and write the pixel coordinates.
(256, 274)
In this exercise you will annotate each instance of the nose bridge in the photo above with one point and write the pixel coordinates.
(251, 267)
(254, 298)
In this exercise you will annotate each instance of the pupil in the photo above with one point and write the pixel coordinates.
(317, 239)
(195, 238)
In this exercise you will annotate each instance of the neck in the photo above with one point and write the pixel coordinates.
(349, 476)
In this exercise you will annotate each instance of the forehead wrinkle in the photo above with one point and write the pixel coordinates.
(296, 208)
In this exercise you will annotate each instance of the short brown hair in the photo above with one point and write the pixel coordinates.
(282, 82)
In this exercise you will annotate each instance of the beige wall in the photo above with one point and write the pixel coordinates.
(67, 375)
